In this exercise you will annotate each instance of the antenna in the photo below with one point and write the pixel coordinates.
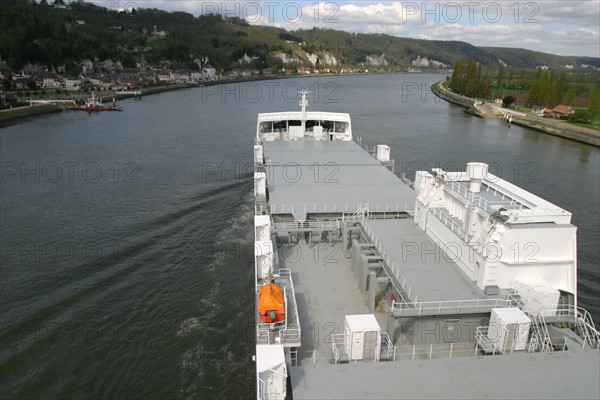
(303, 101)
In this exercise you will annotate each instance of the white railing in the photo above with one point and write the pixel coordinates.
(439, 350)
(447, 307)
(585, 327)
(313, 225)
(337, 347)
(486, 344)
(387, 351)
(335, 208)
(590, 334)
(450, 223)
(478, 200)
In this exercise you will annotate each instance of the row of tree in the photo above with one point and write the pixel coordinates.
(469, 80)
(548, 91)
(546, 88)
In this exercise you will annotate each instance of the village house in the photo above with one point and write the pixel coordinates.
(209, 72)
(72, 83)
(562, 111)
(537, 109)
(164, 77)
(48, 80)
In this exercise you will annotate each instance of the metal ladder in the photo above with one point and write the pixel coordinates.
(588, 331)
(362, 212)
(540, 338)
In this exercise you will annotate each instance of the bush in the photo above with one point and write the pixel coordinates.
(581, 117)
(507, 101)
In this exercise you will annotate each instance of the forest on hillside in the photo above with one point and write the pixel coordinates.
(54, 35)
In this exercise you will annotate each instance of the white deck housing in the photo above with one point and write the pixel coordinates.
(503, 234)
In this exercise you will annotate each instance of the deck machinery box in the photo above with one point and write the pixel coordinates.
(509, 329)
(362, 337)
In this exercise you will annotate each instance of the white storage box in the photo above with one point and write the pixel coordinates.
(509, 329)
(362, 337)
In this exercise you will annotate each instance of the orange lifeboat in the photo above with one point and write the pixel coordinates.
(271, 304)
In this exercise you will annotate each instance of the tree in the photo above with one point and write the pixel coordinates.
(507, 101)
(570, 96)
(580, 116)
(594, 105)
(500, 75)
(560, 88)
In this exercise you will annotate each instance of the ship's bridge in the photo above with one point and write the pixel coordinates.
(310, 125)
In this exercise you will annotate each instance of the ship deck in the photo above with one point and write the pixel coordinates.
(433, 275)
(327, 290)
(320, 183)
(557, 375)
(306, 177)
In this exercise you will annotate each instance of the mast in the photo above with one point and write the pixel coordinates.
(303, 104)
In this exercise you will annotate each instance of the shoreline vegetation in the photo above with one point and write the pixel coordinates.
(16, 115)
(551, 126)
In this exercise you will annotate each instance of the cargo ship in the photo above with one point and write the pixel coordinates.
(370, 286)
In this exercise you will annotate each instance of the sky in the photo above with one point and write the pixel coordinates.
(566, 27)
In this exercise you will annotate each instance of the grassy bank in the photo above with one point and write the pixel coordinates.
(546, 125)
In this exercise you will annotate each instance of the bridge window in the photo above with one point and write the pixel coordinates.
(341, 127)
(280, 126)
(266, 127)
(310, 124)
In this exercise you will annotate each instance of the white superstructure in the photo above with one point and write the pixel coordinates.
(502, 236)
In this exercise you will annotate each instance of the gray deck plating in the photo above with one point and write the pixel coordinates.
(330, 177)
(432, 275)
(519, 375)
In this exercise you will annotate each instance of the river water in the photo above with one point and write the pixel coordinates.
(126, 238)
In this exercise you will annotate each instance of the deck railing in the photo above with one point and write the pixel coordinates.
(479, 201)
(450, 223)
(341, 208)
(310, 225)
(416, 309)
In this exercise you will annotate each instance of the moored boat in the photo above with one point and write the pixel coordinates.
(94, 104)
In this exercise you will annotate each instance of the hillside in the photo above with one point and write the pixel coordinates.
(61, 37)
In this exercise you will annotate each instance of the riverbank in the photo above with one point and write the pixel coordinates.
(550, 126)
(21, 114)
(16, 115)
(12, 116)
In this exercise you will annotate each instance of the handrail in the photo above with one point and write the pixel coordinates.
(448, 306)
(290, 225)
(450, 223)
(473, 198)
(333, 208)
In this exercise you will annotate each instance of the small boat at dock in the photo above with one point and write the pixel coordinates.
(93, 104)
